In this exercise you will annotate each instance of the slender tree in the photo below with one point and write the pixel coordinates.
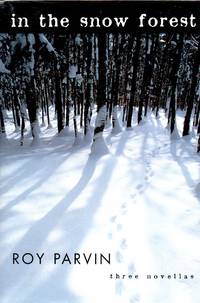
(134, 79)
(191, 96)
(101, 95)
(174, 76)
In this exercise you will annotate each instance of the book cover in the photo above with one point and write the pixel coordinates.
(100, 142)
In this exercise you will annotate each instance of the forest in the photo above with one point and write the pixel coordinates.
(100, 145)
(79, 74)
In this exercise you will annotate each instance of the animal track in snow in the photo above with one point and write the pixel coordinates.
(135, 299)
(119, 257)
(139, 186)
(119, 288)
(133, 195)
(113, 219)
(141, 189)
(123, 244)
(131, 268)
(123, 205)
(148, 175)
(119, 227)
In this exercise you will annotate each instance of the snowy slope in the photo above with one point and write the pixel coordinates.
(141, 203)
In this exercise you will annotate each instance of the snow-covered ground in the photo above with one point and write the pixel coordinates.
(140, 202)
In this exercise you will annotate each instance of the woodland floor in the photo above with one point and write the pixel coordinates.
(140, 202)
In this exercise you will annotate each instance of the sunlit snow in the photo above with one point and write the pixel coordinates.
(140, 202)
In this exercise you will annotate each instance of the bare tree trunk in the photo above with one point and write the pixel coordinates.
(47, 102)
(2, 120)
(58, 99)
(174, 77)
(16, 108)
(198, 146)
(145, 79)
(197, 113)
(32, 108)
(186, 127)
(88, 88)
(149, 66)
(118, 60)
(101, 98)
(134, 79)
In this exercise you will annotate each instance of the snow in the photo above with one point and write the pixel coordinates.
(72, 71)
(140, 202)
(78, 40)
(79, 79)
(175, 134)
(99, 146)
(49, 46)
(100, 118)
(21, 38)
(149, 46)
(36, 133)
(117, 128)
(31, 63)
(31, 40)
(3, 69)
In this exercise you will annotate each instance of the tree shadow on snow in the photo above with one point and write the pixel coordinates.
(75, 224)
(175, 147)
(36, 170)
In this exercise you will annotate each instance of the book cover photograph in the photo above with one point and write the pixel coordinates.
(99, 151)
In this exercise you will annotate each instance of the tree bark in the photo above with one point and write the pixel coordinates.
(190, 102)
(174, 77)
(134, 79)
(32, 107)
(88, 88)
(58, 99)
(101, 93)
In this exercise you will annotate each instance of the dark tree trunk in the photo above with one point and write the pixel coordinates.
(16, 106)
(2, 119)
(58, 99)
(67, 84)
(134, 80)
(197, 112)
(145, 79)
(198, 129)
(191, 96)
(174, 77)
(149, 66)
(118, 62)
(88, 88)
(74, 93)
(43, 108)
(32, 107)
(198, 145)
(64, 91)
(46, 101)
(101, 93)
(82, 105)
(22, 131)
(162, 72)
(128, 60)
